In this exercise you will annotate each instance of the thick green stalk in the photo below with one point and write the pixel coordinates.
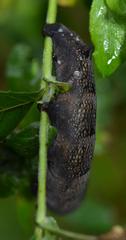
(46, 74)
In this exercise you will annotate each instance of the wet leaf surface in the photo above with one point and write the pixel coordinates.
(108, 35)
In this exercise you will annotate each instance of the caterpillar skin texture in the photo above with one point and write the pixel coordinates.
(74, 115)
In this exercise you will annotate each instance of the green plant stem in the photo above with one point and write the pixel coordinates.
(47, 53)
(41, 211)
(68, 234)
(46, 73)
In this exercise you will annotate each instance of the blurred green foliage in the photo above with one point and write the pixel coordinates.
(23, 72)
(20, 70)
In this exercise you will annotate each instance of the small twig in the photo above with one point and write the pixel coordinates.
(116, 233)
(68, 234)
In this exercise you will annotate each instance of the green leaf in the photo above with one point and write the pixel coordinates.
(6, 155)
(13, 107)
(19, 162)
(9, 171)
(33, 115)
(16, 173)
(25, 142)
(117, 6)
(108, 35)
(8, 184)
(22, 72)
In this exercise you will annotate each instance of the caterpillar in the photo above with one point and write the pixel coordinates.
(74, 115)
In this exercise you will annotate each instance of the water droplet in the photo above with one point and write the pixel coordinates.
(101, 11)
(106, 45)
(111, 59)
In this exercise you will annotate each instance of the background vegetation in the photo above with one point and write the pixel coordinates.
(21, 44)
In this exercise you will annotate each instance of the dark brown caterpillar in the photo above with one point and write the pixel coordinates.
(74, 116)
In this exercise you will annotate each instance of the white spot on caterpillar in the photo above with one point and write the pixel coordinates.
(71, 34)
(60, 30)
(77, 39)
(59, 62)
(77, 74)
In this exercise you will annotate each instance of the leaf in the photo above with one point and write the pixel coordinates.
(8, 183)
(9, 171)
(25, 142)
(16, 173)
(117, 6)
(33, 115)
(108, 36)
(18, 164)
(6, 155)
(13, 107)
(22, 72)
